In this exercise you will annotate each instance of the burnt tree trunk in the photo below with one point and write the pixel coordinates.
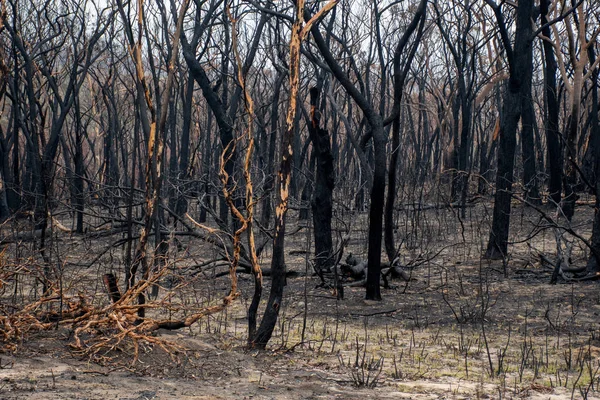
(278, 268)
(307, 190)
(528, 151)
(553, 139)
(265, 219)
(14, 189)
(4, 209)
(214, 102)
(593, 264)
(519, 84)
(322, 200)
(399, 79)
(184, 152)
(79, 171)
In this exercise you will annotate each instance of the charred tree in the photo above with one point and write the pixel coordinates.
(519, 57)
(181, 203)
(530, 184)
(322, 203)
(400, 73)
(464, 56)
(551, 109)
(593, 264)
(278, 268)
(377, 134)
(215, 103)
(272, 143)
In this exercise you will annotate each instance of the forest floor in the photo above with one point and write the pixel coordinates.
(461, 328)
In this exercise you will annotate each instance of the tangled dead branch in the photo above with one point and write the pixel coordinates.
(98, 330)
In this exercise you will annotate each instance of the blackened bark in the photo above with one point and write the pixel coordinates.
(174, 187)
(4, 209)
(184, 151)
(553, 139)
(278, 267)
(215, 103)
(322, 208)
(229, 152)
(465, 140)
(373, 291)
(464, 56)
(519, 84)
(14, 190)
(593, 264)
(270, 178)
(79, 170)
(528, 151)
(400, 74)
(5, 173)
(307, 190)
(378, 135)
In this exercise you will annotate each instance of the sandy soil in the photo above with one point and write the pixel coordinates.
(462, 328)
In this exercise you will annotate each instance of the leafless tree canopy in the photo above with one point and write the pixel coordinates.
(133, 131)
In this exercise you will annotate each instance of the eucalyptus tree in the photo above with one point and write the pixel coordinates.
(272, 125)
(299, 31)
(378, 136)
(457, 30)
(224, 108)
(519, 59)
(578, 27)
(5, 173)
(551, 108)
(55, 49)
(373, 114)
(570, 34)
(593, 264)
(401, 69)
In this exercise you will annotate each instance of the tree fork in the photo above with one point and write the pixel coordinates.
(299, 32)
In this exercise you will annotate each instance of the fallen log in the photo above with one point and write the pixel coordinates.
(357, 270)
